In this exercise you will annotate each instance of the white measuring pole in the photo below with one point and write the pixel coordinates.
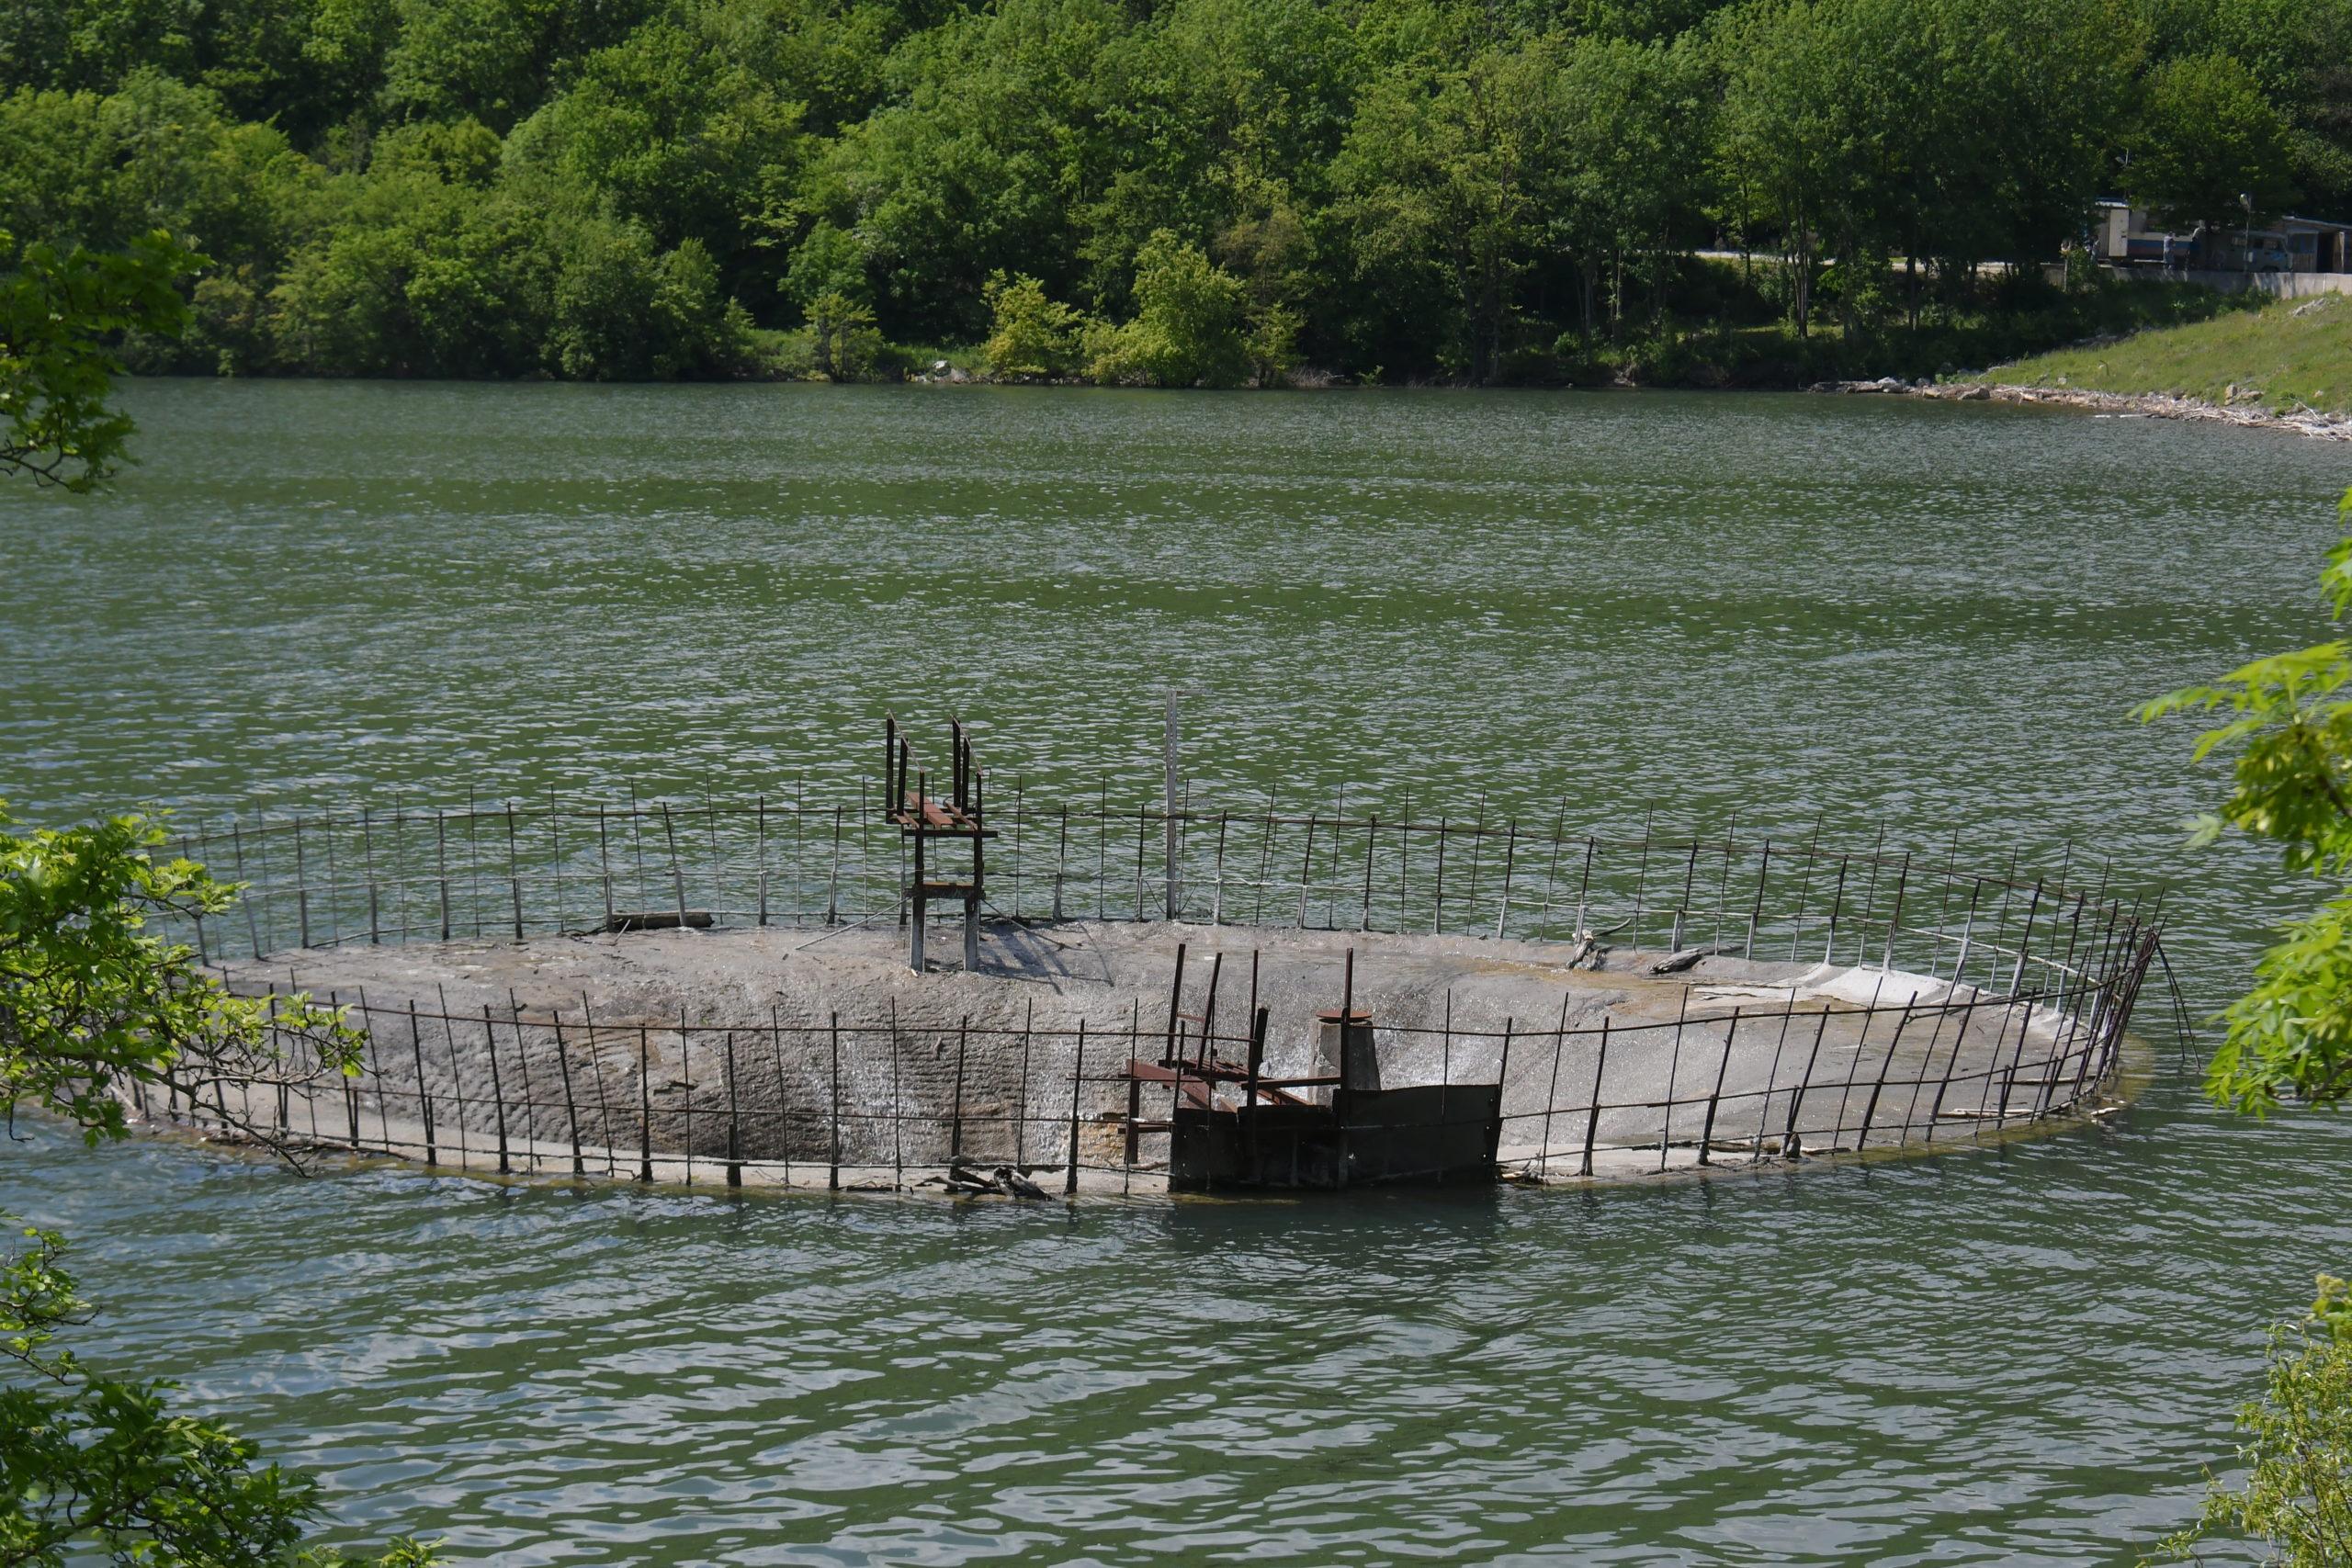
(1175, 891)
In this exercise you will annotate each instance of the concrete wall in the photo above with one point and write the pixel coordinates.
(2278, 285)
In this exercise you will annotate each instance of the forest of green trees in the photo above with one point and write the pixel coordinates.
(1169, 191)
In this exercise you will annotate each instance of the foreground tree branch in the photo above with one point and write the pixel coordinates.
(61, 312)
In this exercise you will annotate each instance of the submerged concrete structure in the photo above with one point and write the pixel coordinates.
(721, 992)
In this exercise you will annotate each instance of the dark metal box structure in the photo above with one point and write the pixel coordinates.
(1431, 1134)
(1337, 1127)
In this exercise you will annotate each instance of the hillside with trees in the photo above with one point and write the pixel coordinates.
(1210, 191)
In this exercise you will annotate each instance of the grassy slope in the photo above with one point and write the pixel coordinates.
(2273, 356)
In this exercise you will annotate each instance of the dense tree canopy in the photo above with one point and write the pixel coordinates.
(620, 188)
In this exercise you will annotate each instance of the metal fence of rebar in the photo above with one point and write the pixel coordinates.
(2010, 995)
(519, 869)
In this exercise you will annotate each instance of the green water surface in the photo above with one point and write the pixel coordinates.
(1880, 617)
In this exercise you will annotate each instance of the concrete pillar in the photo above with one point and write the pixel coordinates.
(1347, 1055)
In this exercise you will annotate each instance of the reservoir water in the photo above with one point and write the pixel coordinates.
(1873, 616)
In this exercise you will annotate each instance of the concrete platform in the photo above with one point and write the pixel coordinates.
(806, 1055)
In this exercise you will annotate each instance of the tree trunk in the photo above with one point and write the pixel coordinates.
(1803, 261)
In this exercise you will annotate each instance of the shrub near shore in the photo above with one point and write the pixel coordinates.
(1037, 338)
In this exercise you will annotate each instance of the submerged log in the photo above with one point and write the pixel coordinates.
(1675, 962)
(658, 920)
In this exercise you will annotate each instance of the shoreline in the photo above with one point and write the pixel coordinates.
(2309, 422)
(2126, 405)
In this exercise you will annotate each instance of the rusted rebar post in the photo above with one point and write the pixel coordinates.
(1306, 869)
(1869, 907)
(350, 1086)
(1020, 1098)
(977, 813)
(1584, 883)
(301, 887)
(203, 950)
(1437, 913)
(1792, 1141)
(441, 865)
(1135, 1092)
(530, 1101)
(1510, 852)
(570, 1108)
(1894, 919)
(1208, 1010)
(1707, 1131)
(423, 1103)
(383, 1081)
(456, 1078)
(917, 901)
(1171, 740)
(677, 868)
(1477, 853)
(1061, 862)
(686, 1082)
(955, 1116)
(368, 868)
(605, 880)
(897, 1108)
(1854, 1066)
(1552, 1094)
(1837, 907)
(1265, 862)
(1642, 871)
(1682, 906)
(783, 1104)
(2025, 938)
(603, 1096)
(497, 1093)
(1592, 1116)
(1870, 1107)
(1077, 1077)
(1503, 1087)
(513, 871)
(1723, 879)
(2101, 1001)
(1673, 1077)
(1175, 1003)
(644, 1103)
(1772, 1080)
(555, 855)
(1952, 1064)
(734, 1123)
(1755, 918)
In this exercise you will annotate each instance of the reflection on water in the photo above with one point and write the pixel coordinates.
(1777, 605)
